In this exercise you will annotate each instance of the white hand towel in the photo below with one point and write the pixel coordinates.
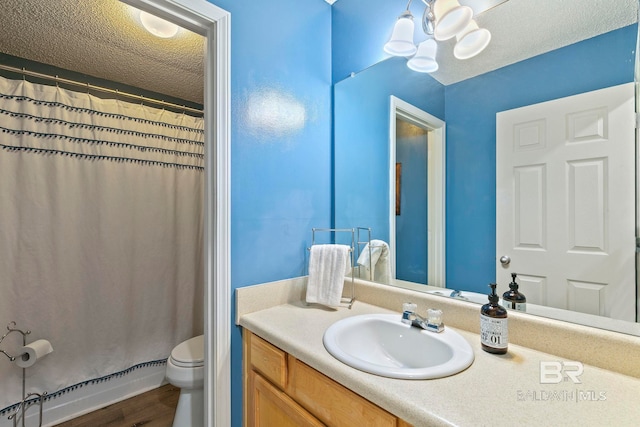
(376, 259)
(328, 264)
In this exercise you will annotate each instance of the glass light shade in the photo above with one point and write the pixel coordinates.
(425, 59)
(158, 26)
(451, 18)
(401, 41)
(471, 41)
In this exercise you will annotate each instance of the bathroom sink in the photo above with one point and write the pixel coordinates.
(381, 344)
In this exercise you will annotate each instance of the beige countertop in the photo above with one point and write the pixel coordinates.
(494, 390)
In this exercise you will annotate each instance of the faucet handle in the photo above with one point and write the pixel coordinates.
(434, 320)
(408, 312)
(409, 306)
(434, 316)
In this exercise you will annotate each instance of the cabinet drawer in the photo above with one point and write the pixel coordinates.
(274, 408)
(332, 403)
(269, 360)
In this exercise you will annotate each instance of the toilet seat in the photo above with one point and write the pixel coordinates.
(190, 353)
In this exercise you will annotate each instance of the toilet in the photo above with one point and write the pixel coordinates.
(185, 369)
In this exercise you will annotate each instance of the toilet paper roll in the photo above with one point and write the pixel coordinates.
(31, 353)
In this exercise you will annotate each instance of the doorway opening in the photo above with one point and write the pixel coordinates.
(434, 129)
(214, 24)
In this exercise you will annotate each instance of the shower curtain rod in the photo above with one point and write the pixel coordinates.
(99, 89)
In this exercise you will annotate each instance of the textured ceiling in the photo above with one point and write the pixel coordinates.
(103, 38)
(521, 29)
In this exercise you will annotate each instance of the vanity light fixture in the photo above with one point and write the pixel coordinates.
(451, 18)
(471, 41)
(158, 26)
(424, 60)
(401, 42)
(441, 20)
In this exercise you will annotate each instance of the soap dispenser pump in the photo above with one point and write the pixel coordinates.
(513, 298)
(494, 335)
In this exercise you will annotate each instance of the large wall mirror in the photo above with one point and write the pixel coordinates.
(468, 101)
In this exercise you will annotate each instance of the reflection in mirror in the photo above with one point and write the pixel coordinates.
(469, 108)
(417, 209)
(361, 122)
(411, 202)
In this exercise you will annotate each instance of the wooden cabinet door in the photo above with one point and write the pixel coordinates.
(280, 391)
(334, 404)
(273, 408)
(269, 361)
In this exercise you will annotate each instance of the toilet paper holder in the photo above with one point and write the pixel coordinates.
(11, 327)
(21, 407)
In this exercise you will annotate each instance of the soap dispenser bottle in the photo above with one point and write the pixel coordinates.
(513, 298)
(494, 335)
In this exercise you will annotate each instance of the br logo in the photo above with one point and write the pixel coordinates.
(556, 372)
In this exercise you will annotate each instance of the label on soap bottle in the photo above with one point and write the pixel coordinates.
(518, 306)
(494, 332)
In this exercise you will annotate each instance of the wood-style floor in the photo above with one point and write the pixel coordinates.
(154, 408)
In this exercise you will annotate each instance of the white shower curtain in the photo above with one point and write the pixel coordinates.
(101, 228)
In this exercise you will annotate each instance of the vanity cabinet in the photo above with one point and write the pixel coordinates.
(280, 390)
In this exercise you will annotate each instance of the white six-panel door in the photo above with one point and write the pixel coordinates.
(565, 205)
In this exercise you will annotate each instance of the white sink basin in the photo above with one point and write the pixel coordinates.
(381, 344)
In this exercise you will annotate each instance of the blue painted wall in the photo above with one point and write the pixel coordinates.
(361, 132)
(471, 108)
(281, 143)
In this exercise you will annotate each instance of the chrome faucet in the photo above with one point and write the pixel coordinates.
(413, 319)
(432, 323)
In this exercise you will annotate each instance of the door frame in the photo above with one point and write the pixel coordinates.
(436, 187)
(214, 24)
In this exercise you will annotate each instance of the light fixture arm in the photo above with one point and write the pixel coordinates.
(428, 18)
(407, 12)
